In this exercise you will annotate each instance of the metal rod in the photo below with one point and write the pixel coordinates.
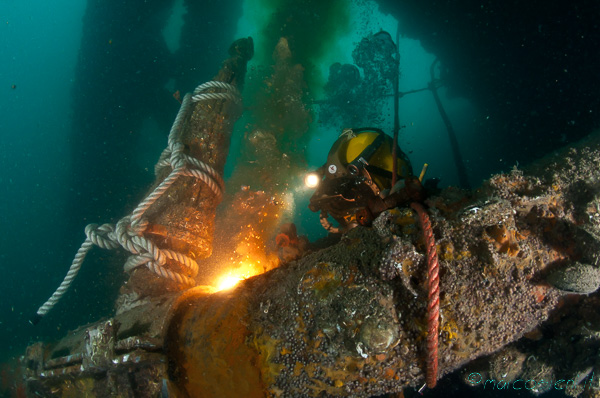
(396, 116)
(463, 179)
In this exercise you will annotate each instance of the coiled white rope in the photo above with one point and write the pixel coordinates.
(231, 92)
(128, 231)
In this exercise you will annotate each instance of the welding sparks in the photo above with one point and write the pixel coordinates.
(229, 282)
(245, 270)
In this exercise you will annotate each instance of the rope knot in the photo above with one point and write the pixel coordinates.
(137, 226)
(128, 227)
(101, 235)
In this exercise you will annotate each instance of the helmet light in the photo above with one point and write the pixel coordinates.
(312, 180)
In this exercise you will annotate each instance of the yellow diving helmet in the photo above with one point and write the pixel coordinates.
(357, 178)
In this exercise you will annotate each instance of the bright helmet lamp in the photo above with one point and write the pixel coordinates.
(312, 180)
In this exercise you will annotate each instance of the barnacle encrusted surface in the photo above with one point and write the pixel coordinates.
(350, 320)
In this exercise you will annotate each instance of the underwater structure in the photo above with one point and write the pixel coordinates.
(518, 263)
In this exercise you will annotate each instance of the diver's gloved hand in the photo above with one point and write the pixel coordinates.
(404, 192)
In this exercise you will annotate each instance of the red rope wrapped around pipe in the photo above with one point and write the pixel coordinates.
(433, 304)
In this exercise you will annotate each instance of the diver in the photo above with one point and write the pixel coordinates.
(356, 184)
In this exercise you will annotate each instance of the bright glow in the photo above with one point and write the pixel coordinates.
(228, 282)
(312, 180)
(244, 270)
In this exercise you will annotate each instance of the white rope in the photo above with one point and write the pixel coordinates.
(127, 233)
(66, 283)
(231, 92)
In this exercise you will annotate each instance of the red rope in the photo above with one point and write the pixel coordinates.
(433, 304)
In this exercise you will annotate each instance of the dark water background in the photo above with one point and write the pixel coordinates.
(86, 105)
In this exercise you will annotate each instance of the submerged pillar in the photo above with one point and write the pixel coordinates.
(182, 218)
